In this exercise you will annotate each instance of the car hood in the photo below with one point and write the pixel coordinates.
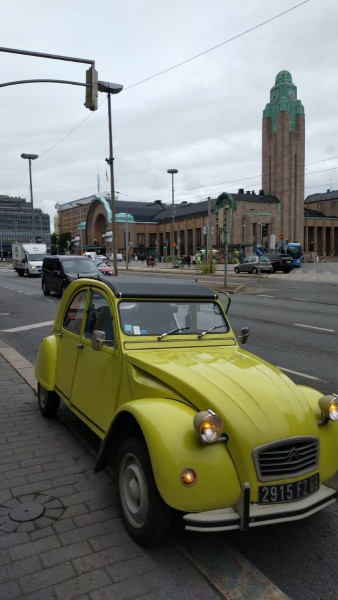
(255, 400)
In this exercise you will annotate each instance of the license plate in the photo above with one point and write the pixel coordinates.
(288, 492)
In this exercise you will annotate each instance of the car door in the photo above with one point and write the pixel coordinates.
(97, 373)
(245, 265)
(70, 343)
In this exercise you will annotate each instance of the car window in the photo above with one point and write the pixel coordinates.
(157, 317)
(99, 317)
(74, 315)
(73, 267)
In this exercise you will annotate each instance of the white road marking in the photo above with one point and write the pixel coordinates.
(26, 327)
(265, 296)
(300, 374)
(313, 327)
(301, 299)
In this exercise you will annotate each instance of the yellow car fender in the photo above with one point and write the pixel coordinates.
(45, 366)
(173, 445)
(328, 437)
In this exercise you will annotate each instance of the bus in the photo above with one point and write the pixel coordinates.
(295, 250)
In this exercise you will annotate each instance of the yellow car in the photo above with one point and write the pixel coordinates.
(190, 421)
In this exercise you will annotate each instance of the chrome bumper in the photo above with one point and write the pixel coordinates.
(246, 515)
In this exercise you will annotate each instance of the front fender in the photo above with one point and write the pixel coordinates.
(173, 445)
(45, 366)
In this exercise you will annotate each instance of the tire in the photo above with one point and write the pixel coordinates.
(45, 289)
(49, 402)
(145, 516)
(236, 269)
(254, 270)
(20, 272)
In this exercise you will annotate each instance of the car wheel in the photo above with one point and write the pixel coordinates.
(145, 515)
(236, 269)
(45, 289)
(49, 402)
(254, 270)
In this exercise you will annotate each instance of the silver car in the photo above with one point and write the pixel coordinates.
(252, 264)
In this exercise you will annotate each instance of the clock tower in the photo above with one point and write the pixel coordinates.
(283, 155)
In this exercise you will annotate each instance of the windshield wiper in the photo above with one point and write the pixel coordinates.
(211, 329)
(171, 331)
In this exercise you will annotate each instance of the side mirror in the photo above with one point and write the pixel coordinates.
(98, 337)
(243, 337)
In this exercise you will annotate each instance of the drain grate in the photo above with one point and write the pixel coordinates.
(28, 511)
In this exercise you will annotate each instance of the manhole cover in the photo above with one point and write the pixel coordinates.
(27, 511)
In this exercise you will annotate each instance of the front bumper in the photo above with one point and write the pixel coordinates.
(246, 515)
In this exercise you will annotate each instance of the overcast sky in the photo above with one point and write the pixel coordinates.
(203, 117)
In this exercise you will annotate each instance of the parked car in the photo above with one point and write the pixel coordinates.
(103, 267)
(281, 262)
(190, 422)
(119, 257)
(58, 271)
(251, 264)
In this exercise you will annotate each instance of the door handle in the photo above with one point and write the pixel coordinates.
(80, 346)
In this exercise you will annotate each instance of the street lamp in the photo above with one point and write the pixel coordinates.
(81, 244)
(111, 88)
(172, 172)
(31, 157)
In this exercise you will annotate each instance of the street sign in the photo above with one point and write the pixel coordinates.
(281, 237)
(174, 244)
(259, 251)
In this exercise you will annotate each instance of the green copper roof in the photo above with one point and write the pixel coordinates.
(283, 98)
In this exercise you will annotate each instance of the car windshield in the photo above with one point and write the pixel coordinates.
(154, 317)
(38, 257)
(82, 266)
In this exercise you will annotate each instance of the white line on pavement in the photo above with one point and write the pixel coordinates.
(26, 327)
(313, 327)
(301, 374)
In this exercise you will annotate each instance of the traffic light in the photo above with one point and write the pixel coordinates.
(91, 88)
(264, 230)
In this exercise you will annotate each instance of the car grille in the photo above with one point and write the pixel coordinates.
(287, 458)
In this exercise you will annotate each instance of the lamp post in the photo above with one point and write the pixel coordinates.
(127, 242)
(81, 244)
(111, 88)
(172, 172)
(31, 157)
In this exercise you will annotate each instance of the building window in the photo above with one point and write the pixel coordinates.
(141, 239)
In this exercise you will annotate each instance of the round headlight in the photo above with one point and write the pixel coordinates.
(208, 425)
(328, 406)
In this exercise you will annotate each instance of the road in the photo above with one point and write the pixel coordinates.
(293, 323)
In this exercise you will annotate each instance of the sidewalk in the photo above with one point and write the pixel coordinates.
(60, 533)
(61, 537)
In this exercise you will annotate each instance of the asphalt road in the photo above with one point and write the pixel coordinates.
(293, 322)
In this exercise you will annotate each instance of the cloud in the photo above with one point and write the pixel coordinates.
(203, 117)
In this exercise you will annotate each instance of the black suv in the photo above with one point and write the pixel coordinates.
(59, 271)
(281, 262)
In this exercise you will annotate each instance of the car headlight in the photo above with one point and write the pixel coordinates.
(208, 426)
(328, 406)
